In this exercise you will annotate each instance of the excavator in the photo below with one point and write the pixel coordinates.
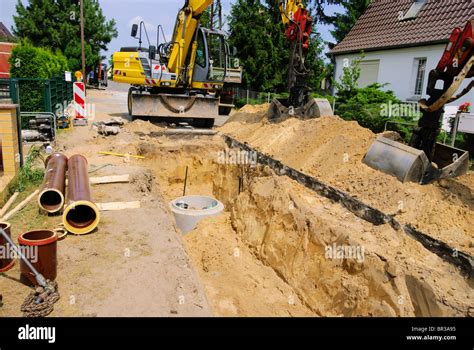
(298, 28)
(424, 160)
(181, 78)
(185, 77)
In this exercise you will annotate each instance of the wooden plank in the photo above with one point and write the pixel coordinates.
(124, 155)
(8, 204)
(112, 206)
(20, 206)
(108, 179)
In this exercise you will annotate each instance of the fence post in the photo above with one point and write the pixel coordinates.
(247, 96)
(455, 128)
(47, 95)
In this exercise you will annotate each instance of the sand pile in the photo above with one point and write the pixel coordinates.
(332, 149)
(143, 126)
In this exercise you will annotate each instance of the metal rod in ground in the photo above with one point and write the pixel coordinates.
(185, 181)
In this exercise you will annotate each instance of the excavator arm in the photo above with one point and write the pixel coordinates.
(185, 28)
(424, 160)
(298, 28)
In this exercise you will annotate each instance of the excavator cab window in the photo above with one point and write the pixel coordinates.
(217, 56)
(201, 52)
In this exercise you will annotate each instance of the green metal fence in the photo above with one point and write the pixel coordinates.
(37, 95)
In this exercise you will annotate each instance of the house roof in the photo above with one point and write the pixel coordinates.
(380, 28)
(4, 32)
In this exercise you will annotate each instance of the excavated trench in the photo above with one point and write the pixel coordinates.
(281, 249)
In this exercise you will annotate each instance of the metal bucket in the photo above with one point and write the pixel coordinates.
(315, 108)
(409, 164)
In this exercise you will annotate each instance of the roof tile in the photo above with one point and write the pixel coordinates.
(379, 27)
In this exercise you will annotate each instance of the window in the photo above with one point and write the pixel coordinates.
(414, 9)
(201, 51)
(369, 73)
(420, 68)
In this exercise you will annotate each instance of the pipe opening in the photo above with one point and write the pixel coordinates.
(51, 201)
(36, 236)
(81, 216)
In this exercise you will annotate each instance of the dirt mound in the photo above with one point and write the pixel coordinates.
(143, 126)
(249, 114)
(332, 150)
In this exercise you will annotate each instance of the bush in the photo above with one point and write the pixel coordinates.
(366, 106)
(28, 61)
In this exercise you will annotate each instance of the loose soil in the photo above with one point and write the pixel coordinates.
(269, 253)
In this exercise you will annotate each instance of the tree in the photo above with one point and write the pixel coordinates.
(56, 24)
(343, 22)
(259, 34)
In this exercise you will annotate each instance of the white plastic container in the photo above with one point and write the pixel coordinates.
(189, 210)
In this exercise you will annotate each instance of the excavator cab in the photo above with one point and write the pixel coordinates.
(210, 64)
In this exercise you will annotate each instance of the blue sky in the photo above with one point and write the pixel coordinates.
(152, 12)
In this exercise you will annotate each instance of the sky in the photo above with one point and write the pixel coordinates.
(152, 12)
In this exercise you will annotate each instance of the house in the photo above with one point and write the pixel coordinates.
(6, 47)
(403, 40)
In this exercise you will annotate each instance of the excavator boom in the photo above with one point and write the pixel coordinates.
(298, 28)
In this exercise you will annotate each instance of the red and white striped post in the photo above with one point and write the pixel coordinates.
(80, 102)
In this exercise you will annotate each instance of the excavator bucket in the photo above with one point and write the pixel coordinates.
(315, 108)
(409, 164)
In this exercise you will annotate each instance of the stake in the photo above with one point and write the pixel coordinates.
(185, 181)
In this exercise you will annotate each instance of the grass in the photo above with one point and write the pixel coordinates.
(29, 175)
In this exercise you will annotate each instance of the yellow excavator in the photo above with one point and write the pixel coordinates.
(181, 78)
(186, 77)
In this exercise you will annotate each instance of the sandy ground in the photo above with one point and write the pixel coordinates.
(332, 149)
(266, 254)
(135, 263)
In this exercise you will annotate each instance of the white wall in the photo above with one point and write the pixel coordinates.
(397, 69)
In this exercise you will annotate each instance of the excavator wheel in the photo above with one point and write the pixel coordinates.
(130, 102)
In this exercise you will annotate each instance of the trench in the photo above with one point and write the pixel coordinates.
(281, 249)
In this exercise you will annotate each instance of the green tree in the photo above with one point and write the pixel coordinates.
(259, 34)
(343, 22)
(56, 24)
